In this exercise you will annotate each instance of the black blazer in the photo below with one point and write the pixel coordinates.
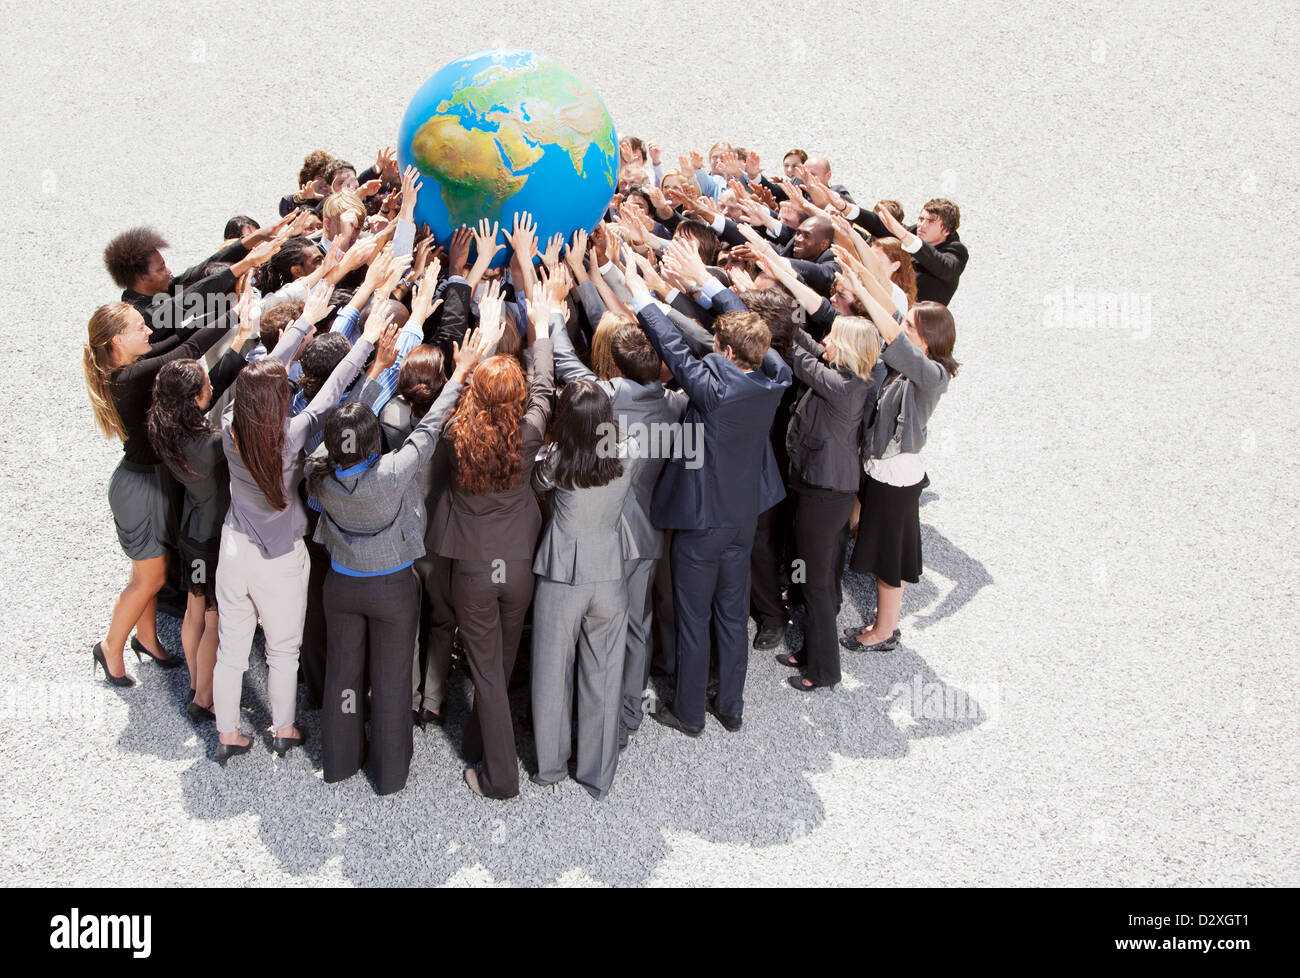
(937, 267)
(167, 312)
(825, 435)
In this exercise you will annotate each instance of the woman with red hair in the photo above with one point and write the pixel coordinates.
(487, 522)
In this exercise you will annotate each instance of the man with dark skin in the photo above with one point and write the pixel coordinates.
(812, 239)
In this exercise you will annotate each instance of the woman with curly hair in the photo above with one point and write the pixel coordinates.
(487, 522)
(191, 448)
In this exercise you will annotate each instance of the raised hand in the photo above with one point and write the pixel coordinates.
(653, 279)
(894, 225)
(551, 256)
(730, 164)
(740, 279)
(697, 161)
(685, 258)
(458, 253)
(753, 166)
(410, 192)
(378, 321)
(378, 270)
(523, 236)
(632, 275)
(485, 245)
(576, 252)
(255, 237)
(659, 201)
(490, 306)
(763, 195)
(318, 302)
(423, 303)
(385, 350)
(369, 188)
(652, 148)
(244, 312)
(398, 265)
(386, 164)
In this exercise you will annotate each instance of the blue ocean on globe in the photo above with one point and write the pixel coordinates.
(503, 131)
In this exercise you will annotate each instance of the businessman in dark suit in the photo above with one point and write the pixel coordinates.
(712, 496)
(938, 255)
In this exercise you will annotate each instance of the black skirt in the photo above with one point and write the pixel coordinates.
(199, 567)
(889, 533)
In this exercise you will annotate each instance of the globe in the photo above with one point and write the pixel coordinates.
(503, 131)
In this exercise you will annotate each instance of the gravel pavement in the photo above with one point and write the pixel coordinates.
(1095, 686)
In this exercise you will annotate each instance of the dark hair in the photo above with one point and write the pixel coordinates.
(334, 168)
(313, 166)
(236, 226)
(421, 379)
(776, 307)
(803, 157)
(935, 324)
(257, 426)
(352, 435)
(893, 206)
(319, 359)
(278, 271)
(511, 343)
(128, 255)
(213, 268)
(635, 358)
(637, 191)
(274, 322)
(946, 211)
(174, 417)
(584, 419)
(705, 238)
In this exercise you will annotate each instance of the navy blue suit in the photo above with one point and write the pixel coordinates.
(713, 500)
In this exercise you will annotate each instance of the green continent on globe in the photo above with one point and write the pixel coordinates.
(543, 103)
(467, 164)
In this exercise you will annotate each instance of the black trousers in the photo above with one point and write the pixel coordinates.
(490, 599)
(372, 623)
(820, 526)
(765, 565)
(711, 584)
(311, 656)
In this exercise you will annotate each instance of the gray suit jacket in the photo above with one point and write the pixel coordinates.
(375, 520)
(586, 539)
(645, 413)
(915, 400)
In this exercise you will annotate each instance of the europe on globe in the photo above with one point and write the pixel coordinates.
(503, 131)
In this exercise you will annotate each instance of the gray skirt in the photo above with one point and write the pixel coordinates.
(142, 510)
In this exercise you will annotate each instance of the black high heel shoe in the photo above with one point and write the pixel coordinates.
(141, 653)
(98, 652)
(199, 714)
(226, 751)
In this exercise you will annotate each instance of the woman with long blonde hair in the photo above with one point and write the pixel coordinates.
(120, 372)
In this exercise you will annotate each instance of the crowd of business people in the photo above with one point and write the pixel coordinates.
(624, 444)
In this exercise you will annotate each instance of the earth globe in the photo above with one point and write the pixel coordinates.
(503, 131)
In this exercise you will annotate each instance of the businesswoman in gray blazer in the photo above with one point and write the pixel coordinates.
(487, 522)
(919, 358)
(824, 442)
(581, 598)
(190, 447)
(372, 524)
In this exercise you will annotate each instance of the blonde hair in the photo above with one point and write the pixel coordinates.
(339, 203)
(857, 345)
(602, 346)
(106, 322)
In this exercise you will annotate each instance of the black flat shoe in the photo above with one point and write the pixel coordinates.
(866, 626)
(769, 638)
(886, 645)
(199, 714)
(669, 719)
(141, 653)
(226, 751)
(97, 651)
(428, 716)
(788, 659)
(282, 745)
(801, 683)
(730, 723)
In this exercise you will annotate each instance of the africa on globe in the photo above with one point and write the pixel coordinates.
(504, 131)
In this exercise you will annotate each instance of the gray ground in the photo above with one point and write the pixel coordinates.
(1095, 687)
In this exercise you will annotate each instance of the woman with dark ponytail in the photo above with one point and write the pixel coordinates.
(120, 374)
(263, 567)
(190, 447)
(372, 524)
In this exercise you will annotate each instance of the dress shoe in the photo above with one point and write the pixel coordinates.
(428, 716)
(669, 719)
(731, 723)
(769, 637)
(791, 660)
(226, 751)
(281, 745)
(804, 685)
(199, 714)
(141, 653)
(886, 645)
(97, 651)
